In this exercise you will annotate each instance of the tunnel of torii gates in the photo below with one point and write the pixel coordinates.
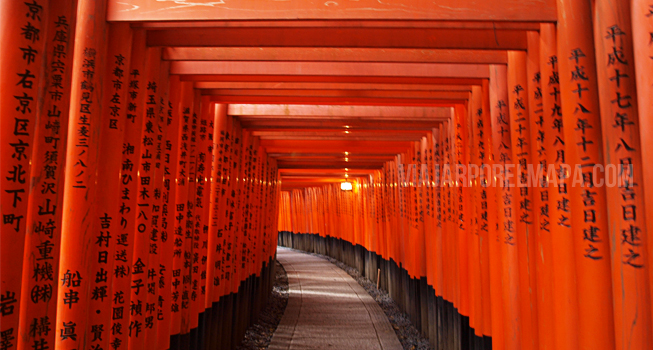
(154, 153)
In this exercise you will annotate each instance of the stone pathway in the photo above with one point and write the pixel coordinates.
(328, 309)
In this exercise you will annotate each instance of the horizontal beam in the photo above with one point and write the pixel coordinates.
(335, 23)
(497, 10)
(333, 54)
(429, 113)
(281, 123)
(371, 131)
(442, 70)
(353, 147)
(319, 100)
(329, 79)
(342, 37)
(327, 86)
(313, 173)
(396, 94)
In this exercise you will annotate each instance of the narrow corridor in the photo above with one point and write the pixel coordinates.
(328, 309)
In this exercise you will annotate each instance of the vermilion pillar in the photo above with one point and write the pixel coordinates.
(107, 215)
(141, 278)
(168, 212)
(43, 219)
(461, 193)
(541, 251)
(81, 257)
(507, 214)
(642, 27)
(525, 229)
(475, 210)
(23, 36)
(564, 299)
(490, 271)
(625, 197)
(128, 209)
(584, 149)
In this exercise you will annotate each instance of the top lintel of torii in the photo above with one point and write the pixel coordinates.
(399, 10)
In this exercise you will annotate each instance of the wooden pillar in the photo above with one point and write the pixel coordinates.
(180, 105)
(217, 196)
(564, 301)
(507, 215)
(525, 229)
(194, 225)
(43, 227)
(145, 199)
(24, 36)
(490, 271)
(642, 27)
(541, 250)
(584, 149)
(461, 193)
(168, 212)
(81, 258)
(130, 150)
(629, 242)
(113, 123)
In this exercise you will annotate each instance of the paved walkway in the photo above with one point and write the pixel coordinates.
(328, 309)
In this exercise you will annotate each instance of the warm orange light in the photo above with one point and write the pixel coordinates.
(346, 186)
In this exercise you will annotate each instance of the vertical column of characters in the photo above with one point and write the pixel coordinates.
(502, 150)
(81, 256)
(257, 248)
(420, 246)
(584, 149)
(180, 105)
(526, 234)
(564, 299)
(213, 208)
(207, 124)
(188, 212)
(438, 205)
(229, 181)
(454, 238)
(262, 210)
(427, 206)
(218, 229)
(106, 214)
(409, 162)
(447, 290)
(158, 235)
(141, 275)
(462, 206)
(42, 220)
(630, 249)
(201, 205)
(237, 198)
(168, 237)
(474, 257)
(482, 130)
(246, 202)
(642, 27)
(194, 225)
(24, 35)
(124, 242)
(542, 251)
(156, 238)
(249, 251)
(495, 231)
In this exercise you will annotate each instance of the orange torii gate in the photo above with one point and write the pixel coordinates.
(153, 155)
